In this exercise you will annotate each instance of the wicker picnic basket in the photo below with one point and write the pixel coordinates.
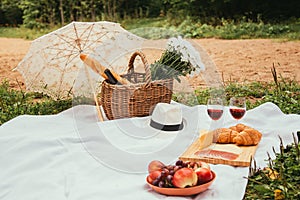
(137, 99)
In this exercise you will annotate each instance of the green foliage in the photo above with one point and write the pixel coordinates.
(285, 94)
(154, 28)
(209, 10)
(41, 13)
(131, 24)
(282, 92)
(14, 103)
(188, 99)
(229, 29)
(170, 65)
(158, 28)
(10, 13)
(258, 93)
(280, 180)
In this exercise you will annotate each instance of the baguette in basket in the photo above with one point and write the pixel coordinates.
(100, 69)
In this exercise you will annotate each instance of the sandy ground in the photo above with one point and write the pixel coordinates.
(236, 60)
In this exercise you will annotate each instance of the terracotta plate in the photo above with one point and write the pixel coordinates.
(183, 191)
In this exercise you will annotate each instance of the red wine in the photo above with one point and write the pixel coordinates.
(215, 114)
(237, 113)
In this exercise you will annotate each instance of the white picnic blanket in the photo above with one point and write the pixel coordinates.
(72, 155)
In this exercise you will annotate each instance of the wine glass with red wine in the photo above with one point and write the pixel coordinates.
(215, 108)
(237, 107)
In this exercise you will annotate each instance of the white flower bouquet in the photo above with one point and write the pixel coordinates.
(179, 59)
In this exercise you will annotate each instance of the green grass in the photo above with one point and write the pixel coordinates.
(280, 180)
(24, 33)
(287, 99)
(282, 92)
(143, 22)
(242, 30)
(16, 102)
(227, 29)
(155, 28)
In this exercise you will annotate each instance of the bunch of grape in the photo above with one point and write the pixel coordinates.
(167, 172)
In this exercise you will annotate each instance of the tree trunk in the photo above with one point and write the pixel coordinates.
(62, 17)
(114, 10)
(93, 13)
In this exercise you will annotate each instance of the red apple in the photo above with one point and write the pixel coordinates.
(155, 165)
(203, 164)
(153, 175)
(204, 175)
(184, 177)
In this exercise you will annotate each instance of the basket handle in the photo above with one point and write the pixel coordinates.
(145, 62)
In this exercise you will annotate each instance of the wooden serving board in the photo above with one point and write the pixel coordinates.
(243, 160)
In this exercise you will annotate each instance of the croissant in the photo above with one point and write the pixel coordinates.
(247, 137)
(224, 135)
(239, 127)
(240, 134)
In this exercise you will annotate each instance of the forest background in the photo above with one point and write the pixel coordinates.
(42, 13)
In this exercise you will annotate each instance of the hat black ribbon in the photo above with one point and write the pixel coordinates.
(175, 127)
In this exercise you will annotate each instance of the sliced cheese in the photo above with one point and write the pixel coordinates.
(205, 139)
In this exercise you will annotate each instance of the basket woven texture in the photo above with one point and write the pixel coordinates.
(137, 99)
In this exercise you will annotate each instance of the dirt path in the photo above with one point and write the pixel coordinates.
(237, 60)
(12, 52)
(251, 60)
